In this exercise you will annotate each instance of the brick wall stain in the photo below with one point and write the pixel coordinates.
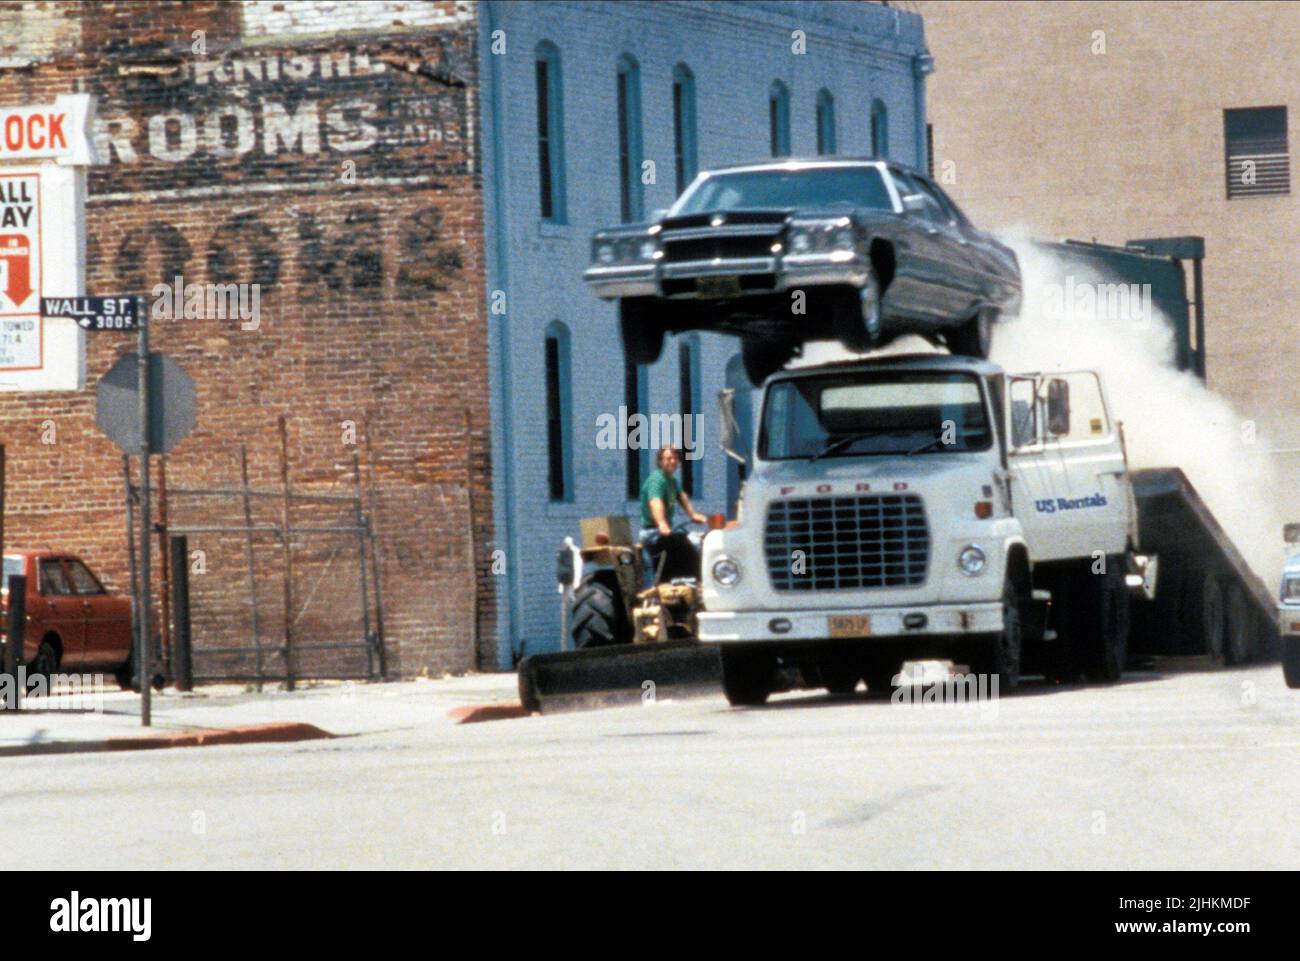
(338, 175)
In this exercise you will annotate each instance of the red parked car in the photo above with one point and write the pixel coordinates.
(73, 623)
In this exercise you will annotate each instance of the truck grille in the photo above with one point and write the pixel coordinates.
(847, 543)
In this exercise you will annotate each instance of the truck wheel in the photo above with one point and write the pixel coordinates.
(1000, 653)
(746, 677)
(763, 358)
(1240, 648)
(1212, 620)
(975, 337)
(1291, 661)
(855, 317)
(598, 617)
(1109, 645)
(643, 332)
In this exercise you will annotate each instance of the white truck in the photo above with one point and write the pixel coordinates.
(926, 506)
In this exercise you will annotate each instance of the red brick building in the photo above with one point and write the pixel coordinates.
(333, 164)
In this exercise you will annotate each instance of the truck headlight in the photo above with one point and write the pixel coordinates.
(726, 572)
(971, 561)
(1291, 589)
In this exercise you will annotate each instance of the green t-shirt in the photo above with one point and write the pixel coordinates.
(661, 485)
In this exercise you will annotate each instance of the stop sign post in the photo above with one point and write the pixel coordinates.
(146, 405)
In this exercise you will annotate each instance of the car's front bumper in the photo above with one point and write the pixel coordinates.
(724, 627)
(754, 275)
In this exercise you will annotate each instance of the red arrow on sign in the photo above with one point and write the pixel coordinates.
(16, 251)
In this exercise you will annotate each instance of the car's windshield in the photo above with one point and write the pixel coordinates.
(786, 188)
(12, 565)
(852, 415)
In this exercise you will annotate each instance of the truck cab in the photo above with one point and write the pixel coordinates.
(921, 506)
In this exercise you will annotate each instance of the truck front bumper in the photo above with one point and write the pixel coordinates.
(723, 627)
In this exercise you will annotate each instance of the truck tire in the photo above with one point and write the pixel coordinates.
(643, 331)
(855, 317)
(747, 677)
(1108, 646)
(1291, 661)
(764, 358)
(1240, 647)
(1211, 619)
(999, 654)
(975, 337)
(598, 617)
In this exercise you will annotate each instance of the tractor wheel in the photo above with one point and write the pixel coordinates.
(1291, 661)
(599, 618)
(764, 358)
(1108, 646)
(747, 677)
(975, 337)
(643, 332)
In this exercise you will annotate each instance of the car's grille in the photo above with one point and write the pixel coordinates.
(847, 543)
(726, 246)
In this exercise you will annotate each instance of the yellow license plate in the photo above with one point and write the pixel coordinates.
(850, 625)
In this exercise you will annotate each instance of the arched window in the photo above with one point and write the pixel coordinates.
(550, 132)
(688, 379)
(559, 441)
(684, 155)
(778, 118)
(630, 200)
(879, 129)
(825, 122)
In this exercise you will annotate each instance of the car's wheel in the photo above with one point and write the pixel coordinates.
(1108, 646)
(1291, 661)
(643, 332)
(999, 654)
(598, 616)
(975, 337)
(1211, 621)
(1240, 647)
(855, 317)
(125, 674)
(764, 358)
(45, 663)
(747, 677)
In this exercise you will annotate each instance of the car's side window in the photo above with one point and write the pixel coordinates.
(82, 580)
(53, 580)
(942, 212)
(907, 186)
(949, 205)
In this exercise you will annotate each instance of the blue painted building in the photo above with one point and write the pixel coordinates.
(598, 112)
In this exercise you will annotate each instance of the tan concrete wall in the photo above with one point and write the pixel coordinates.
(1042, 131)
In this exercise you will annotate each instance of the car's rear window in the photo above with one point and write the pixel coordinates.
(787, 189)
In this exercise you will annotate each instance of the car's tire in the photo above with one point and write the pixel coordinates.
(1211, 618)
(1110, 620)
(125, 675)
(598, 617)
(44, 663)
(642, 330)
(763, 358)
(855, 317)
(1291, 661)
(1241, 637)
(975, 337)
(747, 677)
(999, 654)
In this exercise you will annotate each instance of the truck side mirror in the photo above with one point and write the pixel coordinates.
(1291, 533)
(1058, 407)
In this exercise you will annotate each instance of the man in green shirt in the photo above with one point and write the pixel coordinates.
(660, 494)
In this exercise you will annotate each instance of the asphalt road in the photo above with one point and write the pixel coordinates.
(1193, 770)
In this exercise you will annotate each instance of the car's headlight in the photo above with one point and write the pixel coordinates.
(726, 572)
(1291, 589)
(842, 239)
(800, 241)
(648, 250)
(604, 252)
(971, 561)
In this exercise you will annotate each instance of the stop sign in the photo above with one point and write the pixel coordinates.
(173, 406)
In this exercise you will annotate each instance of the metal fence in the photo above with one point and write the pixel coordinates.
(283, 583)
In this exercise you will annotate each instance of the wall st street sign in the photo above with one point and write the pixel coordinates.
(94, 313)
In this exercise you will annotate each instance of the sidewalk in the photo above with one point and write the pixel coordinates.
(230, 713)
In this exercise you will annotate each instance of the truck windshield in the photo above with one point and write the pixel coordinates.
(786, 188)
(854, 415)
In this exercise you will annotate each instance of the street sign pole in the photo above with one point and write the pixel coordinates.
(146, 536)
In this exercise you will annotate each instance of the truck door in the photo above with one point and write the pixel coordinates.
(1069, 476)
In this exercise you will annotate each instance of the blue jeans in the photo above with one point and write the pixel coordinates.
(681, 560)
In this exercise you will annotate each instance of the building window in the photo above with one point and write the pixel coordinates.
(550, 133)
(1255, 152)
(825, 122)
(778, 118)
(559, 442)
(688, 379)
(634, 402)
(879, 129)
(630, 200)
(684, 157)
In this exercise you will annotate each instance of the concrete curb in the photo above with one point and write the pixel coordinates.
(252, 734)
